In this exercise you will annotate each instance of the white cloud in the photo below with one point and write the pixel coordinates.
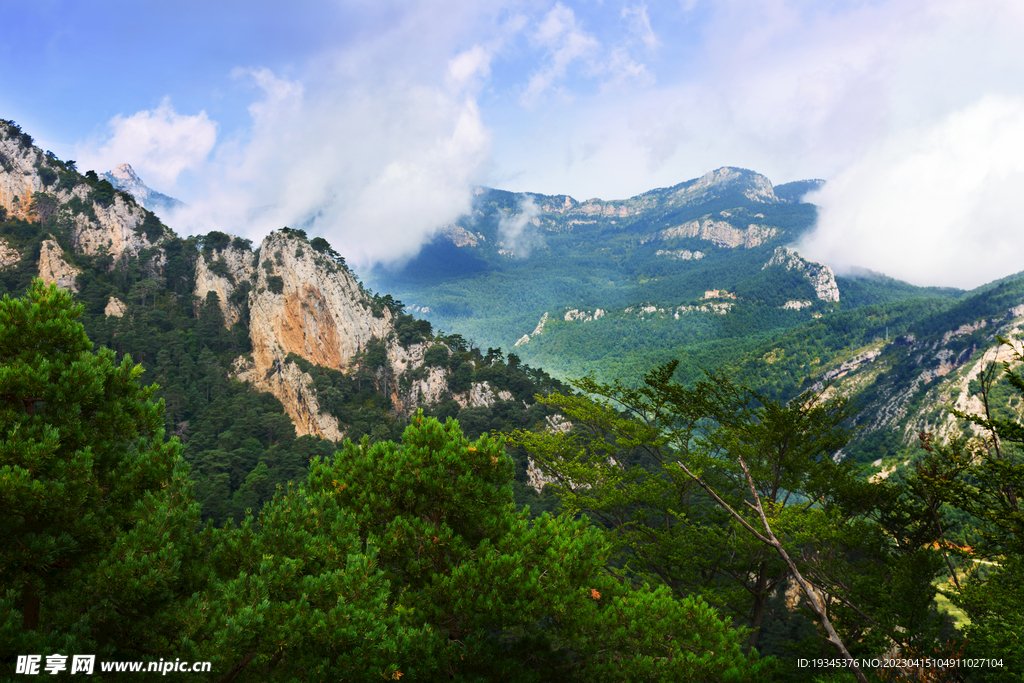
(565, 42)
(469, 67)
(375, 168)
(640, 25)
(159, 144)
(937, 205)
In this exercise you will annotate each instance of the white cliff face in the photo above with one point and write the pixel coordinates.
(481, 395)
(115, 307)
(820, 276)
(114, 228)
(461, 237)
(53, 267)
(18, 176)
(760, 191)
(240, 264)
(537, 330)
(296, 392)
(584, 316)
(429, 388)
(113, 231)
(303, 304)
(9, 256)
(680, 254)
(717, 232)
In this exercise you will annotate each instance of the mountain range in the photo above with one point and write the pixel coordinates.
(704, 271)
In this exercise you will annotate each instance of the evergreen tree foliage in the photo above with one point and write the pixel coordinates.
(620, 464)
(95, 511)
(498, 597)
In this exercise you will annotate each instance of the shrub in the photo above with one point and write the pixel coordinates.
(436, 356)
(47, 175)
(275, 283)
(103, 194)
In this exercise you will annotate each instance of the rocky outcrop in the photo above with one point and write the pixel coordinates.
(296, 392)
(23, 169)
(680, 254)
(719, 233)
(428, 386)
(537, 330)
(19, 178)
(53, 267)
(715, 308)
(303, 303)
(583, 316)
(114, 230)
(481, 395)
(9, 256)
(797, 304)
(115, 307)
(234, 266)
(461, 237)
(819, 275)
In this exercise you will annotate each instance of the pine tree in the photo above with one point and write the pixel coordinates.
(95, 508)
(498, 596)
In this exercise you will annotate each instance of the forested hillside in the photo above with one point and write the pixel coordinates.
(180, 307)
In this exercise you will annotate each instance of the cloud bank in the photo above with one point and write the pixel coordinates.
(160, 142)
(910, 110)
(936, 205)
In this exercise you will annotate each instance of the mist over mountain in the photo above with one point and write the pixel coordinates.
(124, 178)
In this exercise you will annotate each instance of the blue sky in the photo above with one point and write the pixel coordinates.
(371, 122)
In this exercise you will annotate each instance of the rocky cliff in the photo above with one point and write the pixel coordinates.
(9, 256)
(719, 233)
(223, 272)
(98, 220)
(19, 178)
(54, 269)
(819, 275)
(303, 303)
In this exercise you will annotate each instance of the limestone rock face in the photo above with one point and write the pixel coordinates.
(820, 276)
(461, 237)
(481, 395)
(9, 256)
(53, 267)
(296, 392)
(537, 330)
(115, 307)
(114, 228)
(432, 387)
(718, 232)
(113, 231)
(304, 304)
(240, 264)
(18, 175)
(585, 316)
(681, 254)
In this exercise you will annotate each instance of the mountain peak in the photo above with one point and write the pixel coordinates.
(124, 178)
